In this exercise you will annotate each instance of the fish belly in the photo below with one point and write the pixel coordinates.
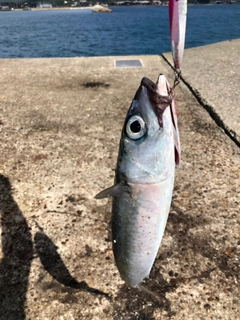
(138, 223)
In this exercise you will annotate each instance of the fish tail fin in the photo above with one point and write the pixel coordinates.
(149, 292)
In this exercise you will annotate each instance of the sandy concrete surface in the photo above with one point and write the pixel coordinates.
(213, 73)
(60, 122)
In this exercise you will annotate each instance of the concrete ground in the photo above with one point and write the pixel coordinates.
(61, 121)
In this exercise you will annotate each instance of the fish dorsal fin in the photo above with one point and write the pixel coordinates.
(113, 191)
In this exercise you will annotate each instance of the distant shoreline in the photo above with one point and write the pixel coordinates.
(91, 7)
(51, 9)
(61, 8)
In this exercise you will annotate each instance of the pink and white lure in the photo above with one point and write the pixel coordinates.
(177, 10)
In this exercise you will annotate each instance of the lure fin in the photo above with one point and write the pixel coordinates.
(113, 191)
(176, 134)
(164, 89)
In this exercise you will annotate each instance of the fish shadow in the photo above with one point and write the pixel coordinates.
(201, 245)
(133, 304)
(17, 251)
(54, 265)
(136, 304)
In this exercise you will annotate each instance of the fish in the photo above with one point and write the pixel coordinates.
(149, 150)
(177, 10)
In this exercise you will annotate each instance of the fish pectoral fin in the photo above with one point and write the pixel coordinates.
(113, 191)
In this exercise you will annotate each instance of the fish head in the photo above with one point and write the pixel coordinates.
(146, 152)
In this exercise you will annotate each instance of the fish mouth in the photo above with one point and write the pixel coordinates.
(159, 102)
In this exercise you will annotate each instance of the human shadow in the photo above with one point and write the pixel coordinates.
(54, 265)
(17, 251)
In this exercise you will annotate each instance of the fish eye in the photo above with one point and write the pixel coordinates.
(136, 127)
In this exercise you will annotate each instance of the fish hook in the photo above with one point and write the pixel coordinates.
(177, 78)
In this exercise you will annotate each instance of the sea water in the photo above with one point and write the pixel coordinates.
(126, 31)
